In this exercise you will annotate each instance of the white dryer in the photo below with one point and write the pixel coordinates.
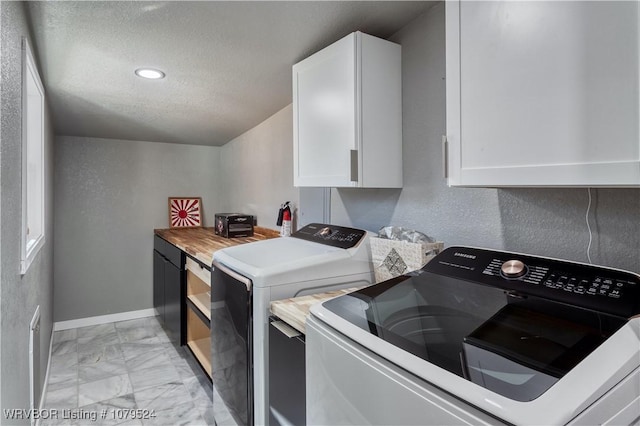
(246, 278)
(479, 337)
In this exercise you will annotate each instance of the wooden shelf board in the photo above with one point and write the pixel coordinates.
(201, 348)
(202, 301)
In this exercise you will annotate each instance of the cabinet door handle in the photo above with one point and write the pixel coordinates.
(445, 156)
(354, 165)
(286, 329)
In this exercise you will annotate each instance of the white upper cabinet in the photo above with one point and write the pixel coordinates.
(542, 93)
(347, 115)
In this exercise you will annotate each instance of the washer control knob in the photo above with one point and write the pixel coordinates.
(513, 269)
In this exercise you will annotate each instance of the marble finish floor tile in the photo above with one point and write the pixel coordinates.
(63, 378)
(114, 411)
(64, 347)
(96, 330)
(63, 362)
(178, 414)
(98, 341)
(65, 335)
(136, 334)
(62, 398)
(128, 365)
(104, 389)
(101, 369)
(90, 354)
(151, 359)
(133, 349)
(162, 397)
(154, 376)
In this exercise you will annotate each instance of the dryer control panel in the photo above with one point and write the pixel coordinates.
(331, 235)
(592, 287)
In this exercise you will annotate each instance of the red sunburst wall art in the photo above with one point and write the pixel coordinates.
(185, 212)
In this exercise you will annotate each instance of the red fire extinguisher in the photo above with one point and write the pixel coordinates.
(284, 219)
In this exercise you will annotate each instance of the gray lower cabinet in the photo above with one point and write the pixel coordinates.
(286, 378)
(169, 288)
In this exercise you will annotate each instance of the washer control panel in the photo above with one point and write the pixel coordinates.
(331, 235)
(558, 280)
(592, 287)
(597, 286)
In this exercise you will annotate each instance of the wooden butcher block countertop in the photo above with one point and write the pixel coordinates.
(202, 242)
(294, 311)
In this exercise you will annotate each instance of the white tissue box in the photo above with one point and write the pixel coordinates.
(392, 257)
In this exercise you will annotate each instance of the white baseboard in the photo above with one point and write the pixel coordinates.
(103, 319)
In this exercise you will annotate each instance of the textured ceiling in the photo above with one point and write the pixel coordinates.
(228, 64)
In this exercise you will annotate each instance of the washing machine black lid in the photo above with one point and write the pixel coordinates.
(461, 314)
(330, 235)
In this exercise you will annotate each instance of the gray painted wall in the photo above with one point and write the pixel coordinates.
(257, 170)
(539, 221)
(110, 195)
(19, 295)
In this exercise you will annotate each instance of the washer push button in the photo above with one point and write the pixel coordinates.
(608, 287)
(615, 293)
(582, 286)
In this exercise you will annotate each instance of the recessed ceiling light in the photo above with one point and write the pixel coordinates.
(149, 73)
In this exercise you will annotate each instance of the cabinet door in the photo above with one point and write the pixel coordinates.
(173, 302)
(158, 284)
(286, 379)
(543, 93)
(324, 109)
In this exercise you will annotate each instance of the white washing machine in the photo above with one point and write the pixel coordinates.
(245, 279)
(479, 337)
